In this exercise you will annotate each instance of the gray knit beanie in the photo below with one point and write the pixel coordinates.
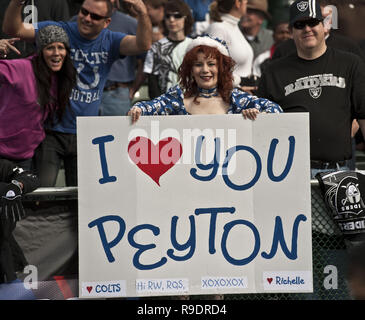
(50, 34)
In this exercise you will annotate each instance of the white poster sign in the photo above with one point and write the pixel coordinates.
(183, 205)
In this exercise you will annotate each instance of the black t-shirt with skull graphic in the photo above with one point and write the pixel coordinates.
(331, 88)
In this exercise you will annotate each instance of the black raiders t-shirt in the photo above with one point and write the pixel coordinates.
(331, 88)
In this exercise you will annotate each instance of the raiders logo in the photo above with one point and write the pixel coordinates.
(302, 6)
(315, 92)
(343, 193)
(348, 197)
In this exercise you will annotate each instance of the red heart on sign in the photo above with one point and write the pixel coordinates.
(269, 280)
(89, 289)
(154, 160)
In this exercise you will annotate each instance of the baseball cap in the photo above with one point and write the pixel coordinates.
(302, 9)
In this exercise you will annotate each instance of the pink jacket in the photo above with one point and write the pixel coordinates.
(21, 117)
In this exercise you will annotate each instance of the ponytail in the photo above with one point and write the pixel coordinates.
(219, 7)
(214, 12)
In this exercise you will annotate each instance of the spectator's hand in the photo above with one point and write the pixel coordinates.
(135, 113)
(250, 113)
(6, 45)
(11, 203)
(137, 7)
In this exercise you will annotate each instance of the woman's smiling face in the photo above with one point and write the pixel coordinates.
(205, 71)
(54, 55)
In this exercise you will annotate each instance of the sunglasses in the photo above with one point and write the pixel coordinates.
(93, 16)
(310, 23)
(174, 15)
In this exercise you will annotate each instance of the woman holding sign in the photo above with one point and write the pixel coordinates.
(33, 90)
(206, 87)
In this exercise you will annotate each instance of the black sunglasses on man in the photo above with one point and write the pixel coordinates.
(310, 23)
(93, 16)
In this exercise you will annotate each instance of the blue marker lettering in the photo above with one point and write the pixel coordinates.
(230, 153)
(279, 238)
(227, 229)
(213, 222)
(104, 166)
(289, 161)
(108, 245)
(213, 165)
(142, 248)
(190, 243)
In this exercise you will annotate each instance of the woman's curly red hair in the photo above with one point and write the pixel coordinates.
(225, 72)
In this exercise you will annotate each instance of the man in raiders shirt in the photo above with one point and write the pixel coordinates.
(332, 37)
(326, 82)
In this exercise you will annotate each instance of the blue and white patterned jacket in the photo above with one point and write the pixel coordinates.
(172, 103)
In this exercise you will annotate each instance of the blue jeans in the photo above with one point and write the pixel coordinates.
(115, 102)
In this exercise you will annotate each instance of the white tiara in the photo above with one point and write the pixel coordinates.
(207, 40)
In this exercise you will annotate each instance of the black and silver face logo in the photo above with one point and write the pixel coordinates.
(302, 6)
(315, 92)
(348, 197)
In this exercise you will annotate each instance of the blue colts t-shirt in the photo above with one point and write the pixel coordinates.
(92, 60)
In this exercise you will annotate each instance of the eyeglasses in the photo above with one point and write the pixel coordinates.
(174, 15)
(93, 16)
(310, 23)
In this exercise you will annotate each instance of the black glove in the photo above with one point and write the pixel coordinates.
(11, 203)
